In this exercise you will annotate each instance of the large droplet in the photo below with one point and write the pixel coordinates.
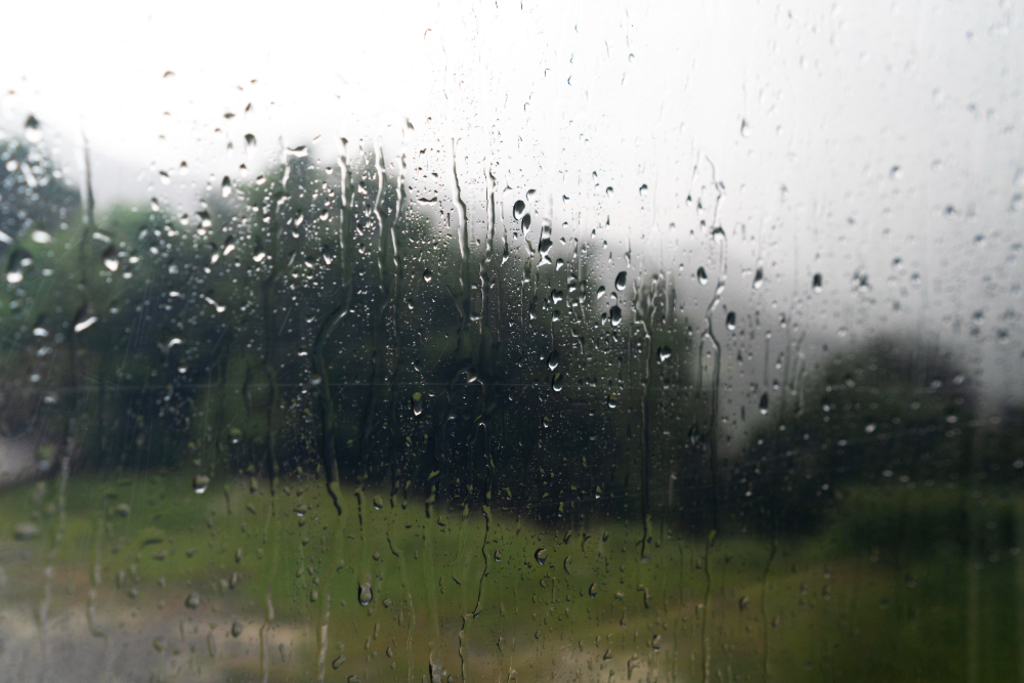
(730, 321)
(84, 319)
(620, 281)
(417, 404)
(553, 360)
(664, 353)
(192, 601)
(816, 282)
(556, 382)
(236, 628)
(518, 209)
(200, 483)
(762, 405)
(541, 555)
(758, 278)
(365, 593)
(616, 316)
(702, 276)
(110, 260)
(225, 187)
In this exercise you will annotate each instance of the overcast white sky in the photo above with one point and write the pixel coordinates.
(841, 131)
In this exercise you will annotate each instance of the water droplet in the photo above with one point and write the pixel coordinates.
(620, 281)
(192, 601)
(250, 142)
(600, 291)
(427, 275)
(664, 353)
(609, 191)
(553, 360)
(122, 509)
(870, 428)
(378, 503)
(497, 556)
(526, 223)
(41, 237)
(365, 593)
(702, 276)
(110, 260)
(25, 531)
(616, 316)
(816, 283)
(730, 321)
(17, 267)
(541, 555)
(612, 401)
(518, 209)
(236, 628)
(32, 132)
(643, 190)
(336, 664)
(84, 319)
(593, 590)
(556, 382)
(762, 405)
(225, 187)
(745, 128)
(417, 403)
(200, 483)
(758, 278)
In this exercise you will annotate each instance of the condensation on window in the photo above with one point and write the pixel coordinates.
(512, 341)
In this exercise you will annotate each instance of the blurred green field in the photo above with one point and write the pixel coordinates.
(903, 584)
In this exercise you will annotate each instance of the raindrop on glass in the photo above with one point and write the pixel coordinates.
(518, 209)
(365, 593)
(417, 403)
(110, 260)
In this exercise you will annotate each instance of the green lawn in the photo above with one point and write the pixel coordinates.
(892, 589)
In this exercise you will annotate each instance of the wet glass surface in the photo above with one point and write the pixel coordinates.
(512, 342)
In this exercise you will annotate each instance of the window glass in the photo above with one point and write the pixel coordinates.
(512, 341)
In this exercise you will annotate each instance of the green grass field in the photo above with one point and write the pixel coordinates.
(144, 579)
